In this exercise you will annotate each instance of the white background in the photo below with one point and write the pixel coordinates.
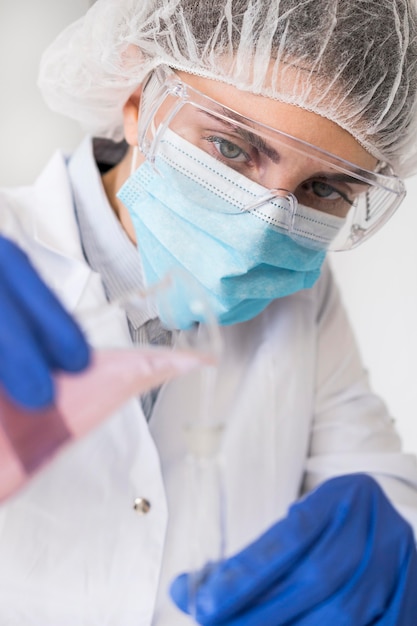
(378, 281)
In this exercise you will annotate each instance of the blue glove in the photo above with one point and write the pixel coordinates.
(342, 556)
(37, 336)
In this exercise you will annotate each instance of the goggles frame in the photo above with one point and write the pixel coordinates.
(365, 218)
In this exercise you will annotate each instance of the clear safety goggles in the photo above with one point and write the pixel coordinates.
(353, 201)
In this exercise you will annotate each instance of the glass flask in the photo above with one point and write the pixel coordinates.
(30, 439)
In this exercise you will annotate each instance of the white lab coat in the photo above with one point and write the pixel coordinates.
(298, 409)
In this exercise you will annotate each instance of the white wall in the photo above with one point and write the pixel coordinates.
(29, 131)
(378, 281)
(379, 285)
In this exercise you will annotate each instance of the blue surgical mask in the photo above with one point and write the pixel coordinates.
(185, 211)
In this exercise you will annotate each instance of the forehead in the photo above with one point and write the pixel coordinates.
(288, 118)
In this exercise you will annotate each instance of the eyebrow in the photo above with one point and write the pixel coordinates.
(260, 144)
(255, 140)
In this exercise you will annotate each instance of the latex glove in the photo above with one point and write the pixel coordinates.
(342, 557)
(37, 336)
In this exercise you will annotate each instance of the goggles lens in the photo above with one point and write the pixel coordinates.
(334, 195)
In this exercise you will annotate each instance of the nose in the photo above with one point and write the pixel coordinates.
(279, 204)
(282, 180)
(286, 176)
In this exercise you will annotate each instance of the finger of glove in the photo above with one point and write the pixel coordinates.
(271, 572)
(24, 371)
(57, 334)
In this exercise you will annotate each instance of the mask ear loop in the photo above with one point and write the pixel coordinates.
(134, 159)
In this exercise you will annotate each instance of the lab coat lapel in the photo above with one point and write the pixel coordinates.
(59, 255)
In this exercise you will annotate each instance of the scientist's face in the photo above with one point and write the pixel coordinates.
(244, 193)
(291, 174)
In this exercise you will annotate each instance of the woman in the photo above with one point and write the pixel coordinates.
(258, 136)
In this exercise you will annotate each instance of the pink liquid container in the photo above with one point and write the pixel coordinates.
(30, 439)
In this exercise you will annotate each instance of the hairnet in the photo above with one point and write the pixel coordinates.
(351, 61)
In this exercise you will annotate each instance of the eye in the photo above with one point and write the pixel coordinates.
(229, 150)
(323, 190)
(319, 194)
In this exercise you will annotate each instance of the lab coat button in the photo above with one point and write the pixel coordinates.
(142, 506)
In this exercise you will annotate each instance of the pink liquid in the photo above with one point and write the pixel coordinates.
(30, 439)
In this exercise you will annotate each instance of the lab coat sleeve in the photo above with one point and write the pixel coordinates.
(352, 430)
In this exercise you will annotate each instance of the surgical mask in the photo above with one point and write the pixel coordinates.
(186, 209)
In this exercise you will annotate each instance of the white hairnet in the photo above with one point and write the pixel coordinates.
(351, 61)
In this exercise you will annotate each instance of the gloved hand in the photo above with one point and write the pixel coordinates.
(342, 556)
(37, 336)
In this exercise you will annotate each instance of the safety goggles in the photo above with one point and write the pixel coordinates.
(354, 202)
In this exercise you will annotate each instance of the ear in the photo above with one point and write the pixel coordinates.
(130, 117)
